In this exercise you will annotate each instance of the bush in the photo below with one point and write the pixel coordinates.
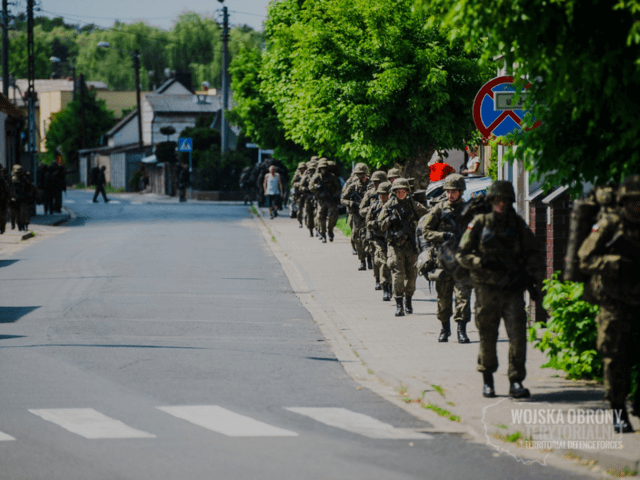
(570, 337)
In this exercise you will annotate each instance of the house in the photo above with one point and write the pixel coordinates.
(11, 121)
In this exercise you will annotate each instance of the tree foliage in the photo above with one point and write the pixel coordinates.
(583, 59)
(363, 80)
(65, 130)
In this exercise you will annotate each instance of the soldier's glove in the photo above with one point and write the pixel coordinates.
(491, 264)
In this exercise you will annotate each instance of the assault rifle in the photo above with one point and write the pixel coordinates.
(515, 276)
(405, 228)
(356, 198)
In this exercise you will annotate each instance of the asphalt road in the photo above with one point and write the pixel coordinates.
(163, 341)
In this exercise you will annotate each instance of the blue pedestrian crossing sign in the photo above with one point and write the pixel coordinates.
(185, 144)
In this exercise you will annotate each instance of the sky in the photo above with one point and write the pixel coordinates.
(159, 13)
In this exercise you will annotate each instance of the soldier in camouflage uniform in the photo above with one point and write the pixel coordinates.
(351, 198)
(326, 187)
(398, 219)
(5, 194)
(370, 196)
(352, 178)
(298, 194)
(443, 224)
(309, 198)
(378, 238)
(504, 258)
(393, 174)
(611, 256)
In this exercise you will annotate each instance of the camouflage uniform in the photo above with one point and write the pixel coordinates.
(378, 241)
(441, 224)
(351, 198)
(611, 256)
(353, 177)
(309, 198)
(492, 246)
(370, 196)
(399, 219)
(5, 194)
(326, 187)
(298, 194)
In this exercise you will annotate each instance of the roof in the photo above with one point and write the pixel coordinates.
(112, 149)
(126, 119)
(165, 86)
(183, 103)
(53, 85)
(9, 108)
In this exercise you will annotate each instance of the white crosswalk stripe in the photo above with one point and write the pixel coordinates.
(89, 423)
(226, 422)
(359, 423)
(115, 202)
(69, 201)
(5, 438)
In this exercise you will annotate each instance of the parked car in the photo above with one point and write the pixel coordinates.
(475, 186)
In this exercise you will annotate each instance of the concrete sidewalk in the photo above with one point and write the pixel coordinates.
(401, 359)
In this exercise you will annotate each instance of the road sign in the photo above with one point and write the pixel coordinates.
(185, 144)
(494, 110)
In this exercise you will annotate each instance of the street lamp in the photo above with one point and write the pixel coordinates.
(56, 61)
(136, 67)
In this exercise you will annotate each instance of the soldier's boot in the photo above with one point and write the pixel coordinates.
(362, 266)
(331, 236)
(445, 332)
(462, 332)
(323, 238)
(386, 296)
(407, 304)
(621, 423)
(311, 232)
(369, 262)
(378, 286)
(487, 389)
(516, 390)
(353, 251)
(399, 307)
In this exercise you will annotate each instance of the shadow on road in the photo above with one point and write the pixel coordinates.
(13, 314)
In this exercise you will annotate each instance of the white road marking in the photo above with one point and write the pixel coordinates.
(115, 201)
(69, 201)
(359, 423)
(5, 438)
(89, 423)
(225, 421)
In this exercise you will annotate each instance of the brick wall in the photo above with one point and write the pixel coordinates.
(558, 218)
(538, 225)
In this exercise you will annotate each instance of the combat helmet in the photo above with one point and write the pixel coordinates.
(455, 181)
(313, 159)
(401, 183)
(379, 176)
(630, 188)
(394, 172)
(501, 188)
(384, 188)
(361, 168)
(302, 165)
(323, 163)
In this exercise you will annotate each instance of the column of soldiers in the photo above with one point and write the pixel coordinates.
(17, 197)
(485, 246)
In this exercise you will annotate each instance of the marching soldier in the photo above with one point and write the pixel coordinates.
(370, 196)
(504, 258)
(399, 218)
(377, 238)
(326, 187)
(353, 177)
(5, 194)
(298, 194)
(309, 198)
(611, 256)
(351, 198)
(440, 225)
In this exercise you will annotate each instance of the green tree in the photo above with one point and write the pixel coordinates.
(365, 81)
(256, 115)
(583, 59)
(65, 129)
(18, 54)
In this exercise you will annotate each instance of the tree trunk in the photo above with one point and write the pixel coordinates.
(418, 167)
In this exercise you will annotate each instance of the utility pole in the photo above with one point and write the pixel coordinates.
(225, 79)
(5, 48)
(83, 129)
(136, 67)
(31, 90)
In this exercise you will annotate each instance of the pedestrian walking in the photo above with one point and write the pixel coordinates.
(273, 190)
(101, 182)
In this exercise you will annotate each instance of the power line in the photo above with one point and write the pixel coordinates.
(247, 13)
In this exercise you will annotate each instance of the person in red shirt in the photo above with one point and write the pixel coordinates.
(440, 170)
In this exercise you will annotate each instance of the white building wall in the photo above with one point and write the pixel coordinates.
(127, 134)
